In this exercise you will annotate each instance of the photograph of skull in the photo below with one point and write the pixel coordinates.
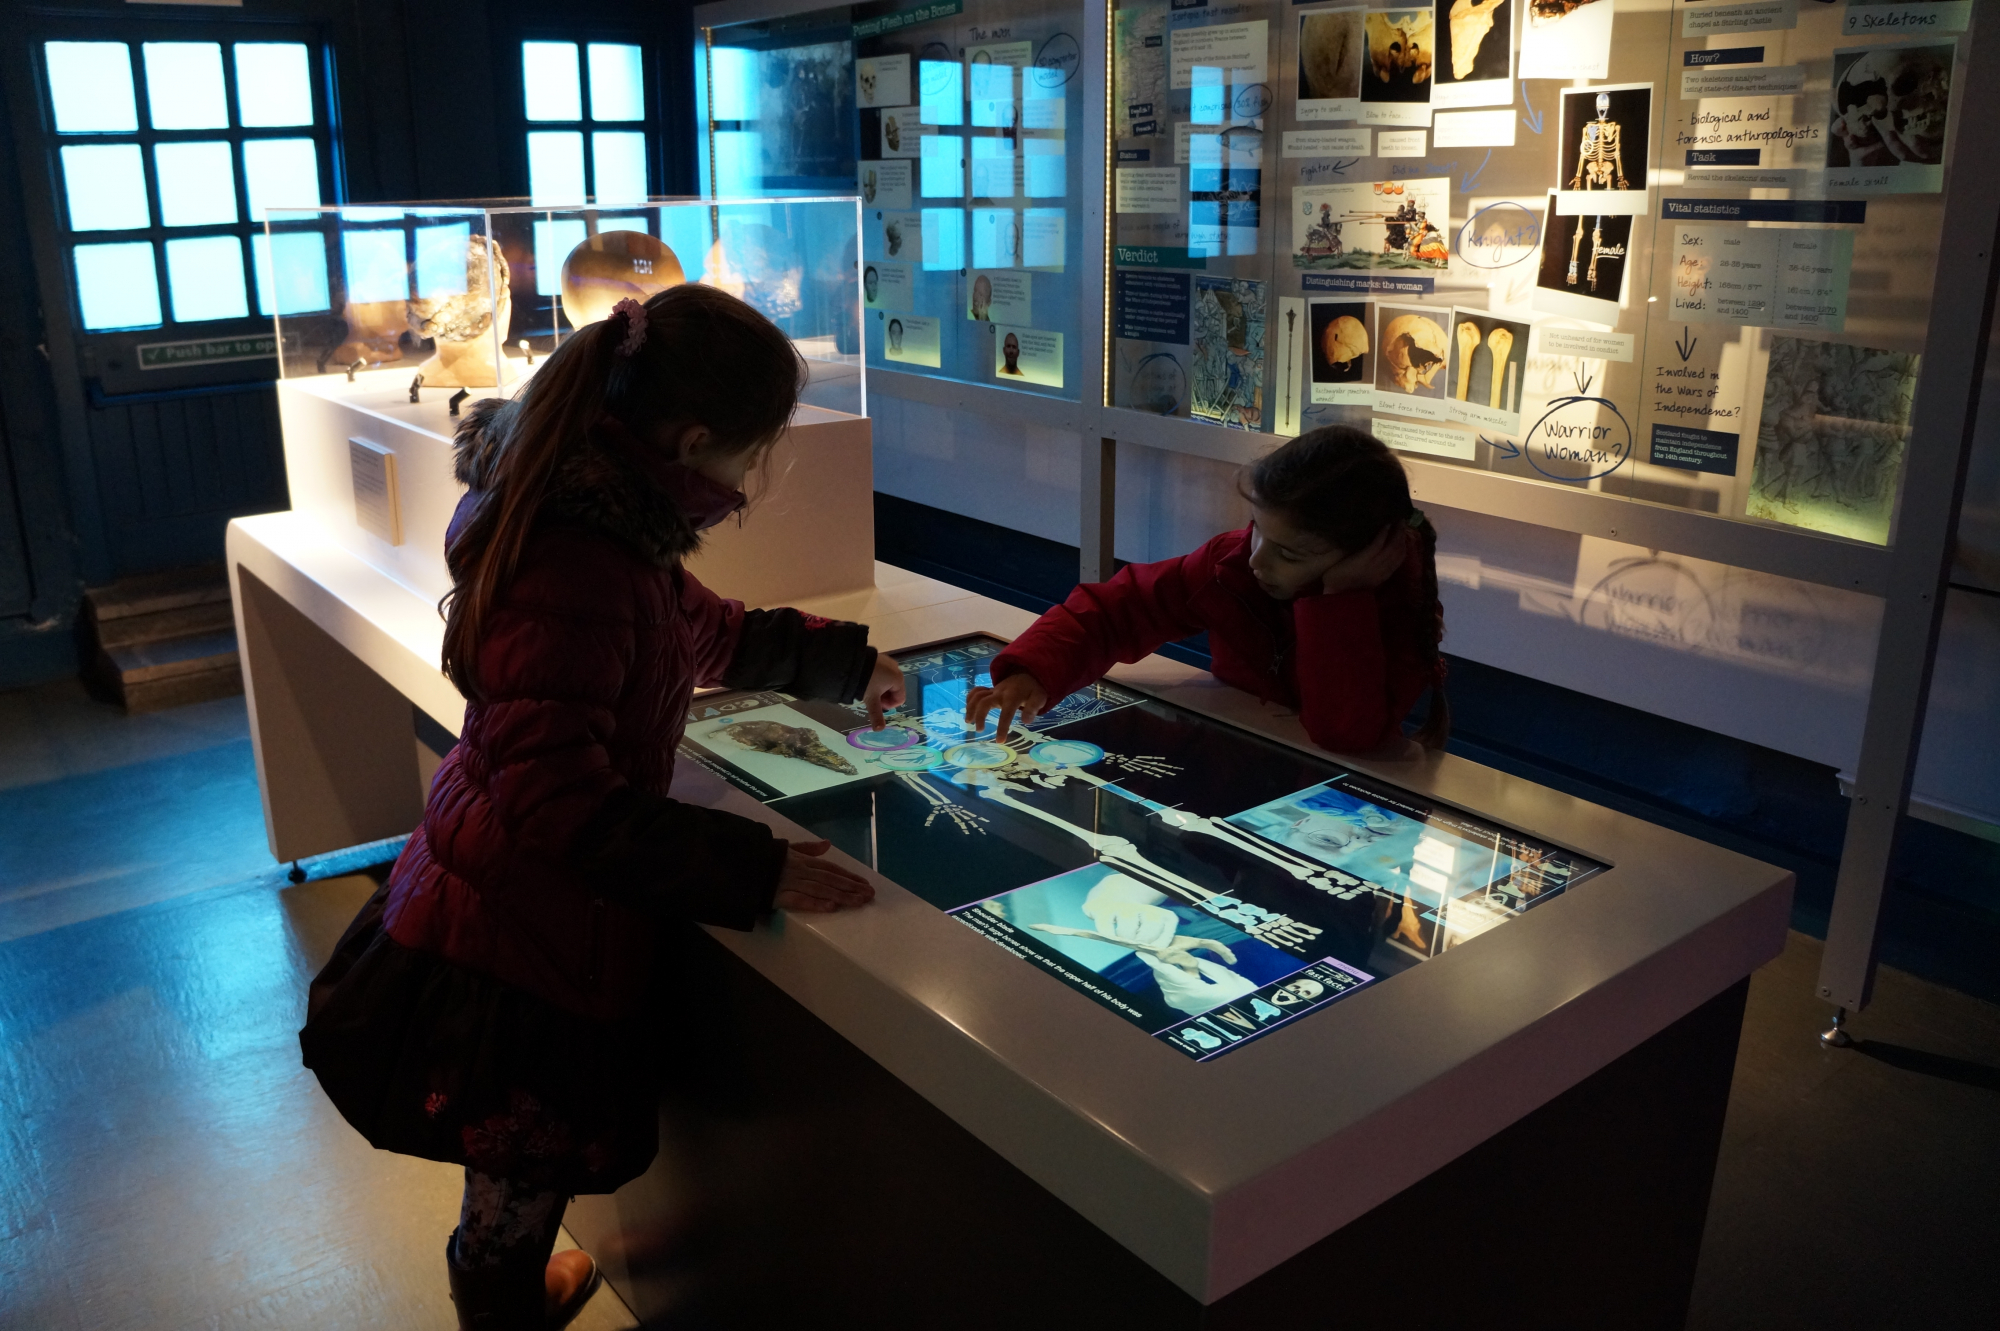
(1399, 49)
(1413, 352)
(1890, 106)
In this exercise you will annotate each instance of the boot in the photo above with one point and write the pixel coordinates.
(568, 1282)
(518, 1298)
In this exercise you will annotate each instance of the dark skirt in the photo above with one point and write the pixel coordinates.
(425, 1057)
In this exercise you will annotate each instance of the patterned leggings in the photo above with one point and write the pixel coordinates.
(501, 1221)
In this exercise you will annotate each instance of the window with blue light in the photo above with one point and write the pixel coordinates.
(569, 90)
(167, 154)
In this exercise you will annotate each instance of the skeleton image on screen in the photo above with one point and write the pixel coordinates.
(787, 741)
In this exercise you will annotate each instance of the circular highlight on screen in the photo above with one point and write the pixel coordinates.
(979, 755)
(883, 740)
(910, 760)
(1066, 753)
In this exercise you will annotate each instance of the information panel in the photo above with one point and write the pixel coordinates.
(1206, 884)
(1679, 251)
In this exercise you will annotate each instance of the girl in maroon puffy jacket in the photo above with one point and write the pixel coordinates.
(488, 1008)
(1326, 602)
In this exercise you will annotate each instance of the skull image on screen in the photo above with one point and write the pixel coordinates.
(1298, 991)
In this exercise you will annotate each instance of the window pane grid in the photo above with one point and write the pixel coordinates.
(217, 132)
(585, 107)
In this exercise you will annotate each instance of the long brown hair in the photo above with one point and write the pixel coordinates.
(1344, 486)
(707, 359)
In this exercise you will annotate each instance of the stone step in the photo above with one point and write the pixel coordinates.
(150, 593)
(149, 662)
(188, 621)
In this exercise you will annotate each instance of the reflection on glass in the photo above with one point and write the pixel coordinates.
(941, 88)
(550, 82)
(605, 224)
(376, 266)
(297, 285)
(281, 173)
(184, 86)
(90, 84)
(943, 173)
(944, 239)
(118, 285)
(732, 83)
(555, 167)
(619, 161)
(441, 254)
(205, 278)
(554, 239)
(1042, 238)
(738, 163)
(197, 184)
(993, 168)
(996, 238)
(1043, 167)
(1208, 95)
(273, 85)
(106, 187)
(617, 82)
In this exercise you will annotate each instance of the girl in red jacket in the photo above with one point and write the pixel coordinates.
(1326, 602)
(489, 1008)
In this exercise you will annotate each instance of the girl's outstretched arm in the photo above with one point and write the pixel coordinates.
(1140, 610)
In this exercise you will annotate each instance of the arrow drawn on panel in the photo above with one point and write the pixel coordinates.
(1533, 120)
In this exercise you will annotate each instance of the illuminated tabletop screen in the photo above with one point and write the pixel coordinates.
(1204, 883)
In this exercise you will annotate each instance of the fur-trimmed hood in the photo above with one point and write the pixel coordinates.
(601, 485)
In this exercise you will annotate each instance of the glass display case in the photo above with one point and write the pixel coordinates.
(1677, 253)
(960, 126)
(428, 300)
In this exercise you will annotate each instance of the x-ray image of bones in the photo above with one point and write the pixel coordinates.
(1140, 939)
(1397, 853)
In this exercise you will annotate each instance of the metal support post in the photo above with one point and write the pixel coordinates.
(1099, 517)
(1940, 444)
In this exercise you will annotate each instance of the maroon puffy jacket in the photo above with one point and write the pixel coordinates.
(549, 853)
(1353, 664)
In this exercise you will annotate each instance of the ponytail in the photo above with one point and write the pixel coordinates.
(692, 354)
(1344, 486)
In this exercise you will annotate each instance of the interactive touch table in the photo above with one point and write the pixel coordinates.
(1206, 884)
(1163, 1018)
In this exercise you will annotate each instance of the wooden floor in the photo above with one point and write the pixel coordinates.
(166, 1163)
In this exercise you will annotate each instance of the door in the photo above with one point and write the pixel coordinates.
(148, 149)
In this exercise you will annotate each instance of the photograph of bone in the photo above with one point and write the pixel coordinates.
(1342, 363)
(1400, 46)
(1412, 353)
(1583, 265)
(1475, 53)
(1489, 361)
(1890, 108)
(1566, 39)
(1330, 54)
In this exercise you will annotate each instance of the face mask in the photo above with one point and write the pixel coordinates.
(702, 501)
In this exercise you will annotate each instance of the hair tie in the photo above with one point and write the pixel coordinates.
(634, 315)
(1416, 519)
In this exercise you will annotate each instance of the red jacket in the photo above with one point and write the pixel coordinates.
(1352, 664)
(548, 851)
